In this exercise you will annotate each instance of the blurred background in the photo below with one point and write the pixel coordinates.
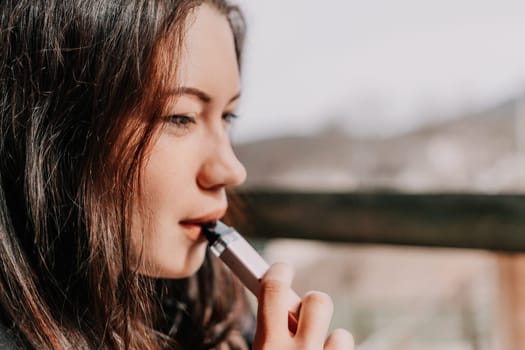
(385, 149)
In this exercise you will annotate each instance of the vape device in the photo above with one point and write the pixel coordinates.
(244, 261)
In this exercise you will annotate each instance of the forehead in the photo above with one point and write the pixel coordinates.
(208, 58)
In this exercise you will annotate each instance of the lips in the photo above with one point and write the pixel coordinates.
(193, 226)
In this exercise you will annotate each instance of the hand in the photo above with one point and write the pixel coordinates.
(276, 298)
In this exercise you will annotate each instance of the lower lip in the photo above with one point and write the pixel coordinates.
(192, 231)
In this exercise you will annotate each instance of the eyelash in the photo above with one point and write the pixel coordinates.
(229, 117)
(181, 121)
(185, 121)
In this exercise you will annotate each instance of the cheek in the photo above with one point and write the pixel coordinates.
(169, 176)
(167, 187)
(173, 160)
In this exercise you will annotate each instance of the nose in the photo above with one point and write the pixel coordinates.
(221, 167)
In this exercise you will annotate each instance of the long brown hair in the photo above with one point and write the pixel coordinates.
(81, 91)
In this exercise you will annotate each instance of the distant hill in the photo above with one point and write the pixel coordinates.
(481, 151)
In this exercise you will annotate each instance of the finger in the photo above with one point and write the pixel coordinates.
(272, 315)
(339, 339)
(314, 320)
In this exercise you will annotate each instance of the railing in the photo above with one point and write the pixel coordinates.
(495, 222)
(475, 221)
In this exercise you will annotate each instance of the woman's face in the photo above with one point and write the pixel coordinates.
(191, 162)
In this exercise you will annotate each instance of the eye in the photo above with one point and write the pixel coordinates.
(229, 117)
(181, 121)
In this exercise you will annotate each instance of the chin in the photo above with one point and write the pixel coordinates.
(169, 272)
(194, 261)
(174, 270)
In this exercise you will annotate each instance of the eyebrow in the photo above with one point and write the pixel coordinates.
(201, 95)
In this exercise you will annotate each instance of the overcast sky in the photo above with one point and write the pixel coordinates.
(376, 66)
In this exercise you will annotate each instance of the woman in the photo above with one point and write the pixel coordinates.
(114, 152)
